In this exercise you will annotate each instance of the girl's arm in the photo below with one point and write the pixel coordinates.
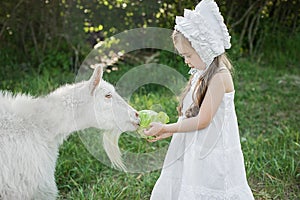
(210, 104)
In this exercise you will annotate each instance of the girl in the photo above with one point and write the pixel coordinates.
(204, 159)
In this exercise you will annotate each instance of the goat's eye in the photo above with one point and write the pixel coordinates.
(108, 96)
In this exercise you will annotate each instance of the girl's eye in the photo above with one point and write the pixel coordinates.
(108, 96)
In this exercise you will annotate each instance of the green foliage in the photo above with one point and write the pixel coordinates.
(54, 71)
(175, 61)
(75, 26)
(56, 60)
(281, 50)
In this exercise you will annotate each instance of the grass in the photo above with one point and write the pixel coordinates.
(267, 103)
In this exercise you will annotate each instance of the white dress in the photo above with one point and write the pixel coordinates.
(207, 164)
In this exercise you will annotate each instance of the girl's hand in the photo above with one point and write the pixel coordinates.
(162, 136)
(157, 130)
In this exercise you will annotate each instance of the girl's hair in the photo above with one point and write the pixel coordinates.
(203, 81)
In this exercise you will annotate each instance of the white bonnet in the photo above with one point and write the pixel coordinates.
(204, 27)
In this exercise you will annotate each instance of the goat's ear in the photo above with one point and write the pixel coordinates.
(95, 78)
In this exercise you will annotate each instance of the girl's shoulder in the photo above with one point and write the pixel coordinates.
(223, 77)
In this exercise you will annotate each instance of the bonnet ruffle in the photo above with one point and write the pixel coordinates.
(204, 27)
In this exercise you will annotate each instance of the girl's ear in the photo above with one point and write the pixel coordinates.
(95, 78)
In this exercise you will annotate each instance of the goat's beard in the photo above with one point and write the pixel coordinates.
(111, 147)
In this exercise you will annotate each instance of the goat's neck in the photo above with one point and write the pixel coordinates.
(62, 112)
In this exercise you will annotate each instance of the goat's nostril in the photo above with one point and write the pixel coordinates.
(136, 114)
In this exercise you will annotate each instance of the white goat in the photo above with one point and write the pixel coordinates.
(31, 130)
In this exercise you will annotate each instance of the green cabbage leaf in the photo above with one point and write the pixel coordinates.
(149, 116)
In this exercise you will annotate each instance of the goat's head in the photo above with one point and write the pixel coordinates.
(112, 113)
(110, 108)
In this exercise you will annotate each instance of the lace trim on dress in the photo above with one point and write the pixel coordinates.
(196, 73)
(193, 193)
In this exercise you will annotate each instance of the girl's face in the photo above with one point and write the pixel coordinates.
(191, 57)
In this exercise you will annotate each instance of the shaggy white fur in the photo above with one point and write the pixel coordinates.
(31, 130)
